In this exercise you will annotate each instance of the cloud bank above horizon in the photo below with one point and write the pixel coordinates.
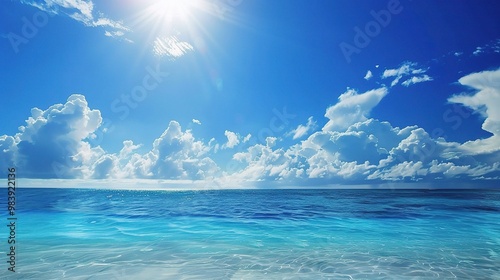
(350, 148)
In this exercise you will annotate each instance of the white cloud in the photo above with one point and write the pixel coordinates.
(412, 170)
(271, 141)
(368, 150)
(486, 102)
(352, 148)
(104, 167)
(368, 75)
(175, 155)
(128, 148)
(302, 130)
(403, 70)
(264, 163)
(352, 107)
(491, 47)
(196, 121)
(233, 139)
(114, 33)
(406, 69)
(354, 153)
(247, 138)
(171, 47)
(416, 80)
(448, 169)
(108, 23)
(349, 155)
(82, 11)
(8, 151)
(53, 141)
(478, 51)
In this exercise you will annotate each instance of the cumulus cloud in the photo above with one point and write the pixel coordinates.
(352, 154)
(175, 155)
(486, 102)
(8, 151)
(369, 150)
(356, 153)
(352, 107)
(303, 130)
(196, 121)
(351, 147)
(264, 163)
(55, 143)
(271, 141)
(405, 70)
(233, 139)
(52, 143)
(104, 167)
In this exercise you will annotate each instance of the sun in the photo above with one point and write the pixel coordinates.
(173, 27)
(173, 11)
(170, 17)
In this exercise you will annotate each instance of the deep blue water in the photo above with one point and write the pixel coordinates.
(255, 234)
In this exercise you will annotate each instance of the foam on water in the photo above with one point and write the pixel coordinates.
(279, 234)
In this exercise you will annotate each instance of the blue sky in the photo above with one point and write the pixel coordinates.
(252, 93)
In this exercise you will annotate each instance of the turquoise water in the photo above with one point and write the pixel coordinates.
(255, 234)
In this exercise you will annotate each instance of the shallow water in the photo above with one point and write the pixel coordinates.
(255, 234)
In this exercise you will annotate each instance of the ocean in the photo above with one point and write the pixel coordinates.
(253, 234)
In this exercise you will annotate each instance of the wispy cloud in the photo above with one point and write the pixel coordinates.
(303, 130)
(478, 51)
(416, 80)
(406, 69)
(368, 75)
(84, 11)
(247, 138)
(491, 47)
(81, 11)
(352, 107)
(171, 47)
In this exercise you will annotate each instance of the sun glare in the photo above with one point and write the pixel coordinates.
(173, 11)
(171, 25)
(175, 27)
